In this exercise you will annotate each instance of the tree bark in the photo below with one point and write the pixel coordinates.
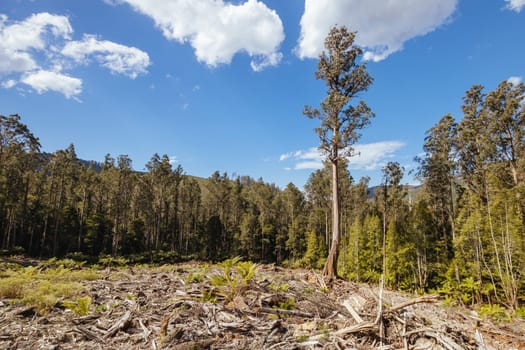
(330, 267)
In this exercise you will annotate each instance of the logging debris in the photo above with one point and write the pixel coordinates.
(177, 307)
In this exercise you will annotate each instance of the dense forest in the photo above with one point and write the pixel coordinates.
(462, 234)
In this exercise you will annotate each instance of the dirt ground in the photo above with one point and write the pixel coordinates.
(198, 306)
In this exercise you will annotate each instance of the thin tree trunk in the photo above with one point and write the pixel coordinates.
(81, 220)
(330, 268)
(44, 235)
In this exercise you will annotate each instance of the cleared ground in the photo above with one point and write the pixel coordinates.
(232, 305)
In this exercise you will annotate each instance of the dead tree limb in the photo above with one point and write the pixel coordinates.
(120, 324)
(424, 299)
(268, 310)
(90, 334)
(446, 342)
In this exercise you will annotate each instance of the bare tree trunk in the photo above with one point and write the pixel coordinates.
(330, 267)
(81, 220)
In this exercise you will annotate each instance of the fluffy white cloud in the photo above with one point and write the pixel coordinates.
(19, 39)
(383, 26)
(217, 30)
(29, 33)
(43, 81)
(368, 156)
(35, 51)
(515, 5)
(117, 58)
(515, 80)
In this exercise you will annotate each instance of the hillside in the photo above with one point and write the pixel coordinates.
(233, 305)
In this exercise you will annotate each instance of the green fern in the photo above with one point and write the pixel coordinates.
(234, 275)
(80, 306)
(247, 270)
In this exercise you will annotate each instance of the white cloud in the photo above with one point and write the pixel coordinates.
(43, 81)
(383, 26)
(8, 84)
(368, 156)
(217, 30)
(285, 156)
(372, 156)
(117, 58)
(29, 33)
(173, 160)
(18, 39)
(515, 5)
(312, 164)
(36, 50)
(259, 63)
(515, 80)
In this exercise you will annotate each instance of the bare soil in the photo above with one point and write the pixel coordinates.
(176, 307)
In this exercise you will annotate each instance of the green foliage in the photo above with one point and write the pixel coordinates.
(461, 234)
(312, 257)
(469, 288)
(44, 286)
(195, 277)
(247, 270)
(209, 296)
(302, 338)
(233, 276)
(46, 294)
(111, 261)
(279, 287)
(288, 304)
(494, 312)
(13, 287)
(80, 306)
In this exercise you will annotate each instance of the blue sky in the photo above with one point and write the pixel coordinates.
(220, 85)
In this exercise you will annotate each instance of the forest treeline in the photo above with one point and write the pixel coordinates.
(463, 234)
